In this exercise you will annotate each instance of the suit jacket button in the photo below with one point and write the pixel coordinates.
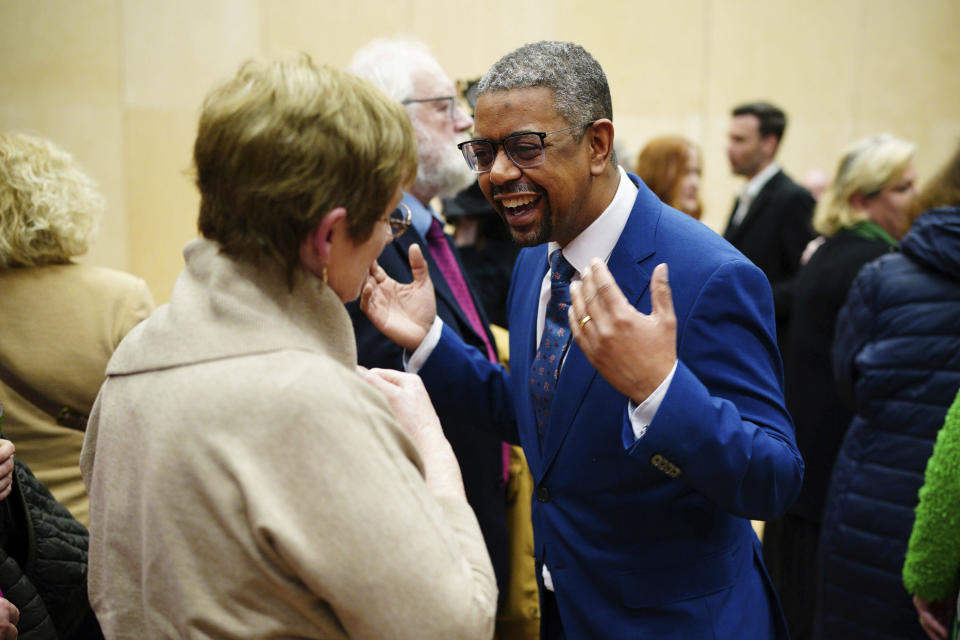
(543, 494)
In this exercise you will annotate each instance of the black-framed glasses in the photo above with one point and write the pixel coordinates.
(524, 149)
(451, 102)
(398, 219)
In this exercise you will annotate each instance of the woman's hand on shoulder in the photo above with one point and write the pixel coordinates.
(413, 410)
(409, 400)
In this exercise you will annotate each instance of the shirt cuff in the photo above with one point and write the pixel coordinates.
(641, 415)
(414, 362)
(547, 578)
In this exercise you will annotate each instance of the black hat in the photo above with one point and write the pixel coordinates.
(469, 202)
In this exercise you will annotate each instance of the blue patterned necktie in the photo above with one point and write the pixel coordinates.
(553, 342)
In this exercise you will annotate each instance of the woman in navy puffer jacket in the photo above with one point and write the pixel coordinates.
(897, 351)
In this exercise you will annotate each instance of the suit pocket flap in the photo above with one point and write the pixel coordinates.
(677, 582)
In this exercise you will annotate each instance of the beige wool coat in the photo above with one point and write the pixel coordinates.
(59, 325)
(245, 482)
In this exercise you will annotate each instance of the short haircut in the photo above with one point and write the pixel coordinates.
(580, 89)
(773, 121)
(866, 167)
(283, 143)
(49, 208)
(662, 164)
(392, 64)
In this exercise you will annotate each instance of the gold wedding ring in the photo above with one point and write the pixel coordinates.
(584, 320)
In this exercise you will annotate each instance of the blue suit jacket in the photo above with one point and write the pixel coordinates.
(651, 538)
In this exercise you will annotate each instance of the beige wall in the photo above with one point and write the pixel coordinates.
(119, 82)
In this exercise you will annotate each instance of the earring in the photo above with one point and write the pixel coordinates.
(324, 275)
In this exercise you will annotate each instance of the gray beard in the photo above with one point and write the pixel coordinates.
(446, 176)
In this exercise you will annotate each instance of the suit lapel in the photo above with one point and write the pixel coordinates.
(524, 300)
(473, 296)
(756, 206)
(631, 266)
(730, 231)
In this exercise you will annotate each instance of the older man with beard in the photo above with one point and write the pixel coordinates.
(407, 71)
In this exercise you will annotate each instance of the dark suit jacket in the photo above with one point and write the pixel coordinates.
(773, 235)
(650, 538)
(477, 447)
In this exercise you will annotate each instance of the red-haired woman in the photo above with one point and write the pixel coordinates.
(670, 166)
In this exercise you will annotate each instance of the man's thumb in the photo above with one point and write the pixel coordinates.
(418, 264)
(661, 299)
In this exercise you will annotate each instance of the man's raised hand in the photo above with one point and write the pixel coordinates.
(633, 351)
(402, 312)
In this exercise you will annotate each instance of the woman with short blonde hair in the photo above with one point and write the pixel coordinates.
(867, 169)
(287, 493)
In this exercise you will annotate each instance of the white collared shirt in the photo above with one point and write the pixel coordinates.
(751, 190)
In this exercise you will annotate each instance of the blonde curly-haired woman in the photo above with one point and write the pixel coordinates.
(61, 320)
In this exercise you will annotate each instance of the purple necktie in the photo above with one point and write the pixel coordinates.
(443, 256)
(553, 342)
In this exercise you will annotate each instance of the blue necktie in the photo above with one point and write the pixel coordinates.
(553, 342)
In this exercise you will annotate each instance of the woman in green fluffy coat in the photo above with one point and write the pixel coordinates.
(931, 571)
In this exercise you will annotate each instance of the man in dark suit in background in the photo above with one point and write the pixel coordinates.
(771, 218)
(406, 70)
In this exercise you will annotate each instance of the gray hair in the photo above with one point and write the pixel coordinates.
(581, 92)
(392, 65)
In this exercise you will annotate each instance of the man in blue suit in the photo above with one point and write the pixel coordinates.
(660, 430)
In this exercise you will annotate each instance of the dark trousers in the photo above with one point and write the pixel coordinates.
(551, 628)
(790, 553)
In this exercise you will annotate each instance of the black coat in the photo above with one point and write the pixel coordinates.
(43, 563)
(820, 417)
(478, 450)
(772, 235)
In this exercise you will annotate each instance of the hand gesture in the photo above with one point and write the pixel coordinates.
(633, 351)
(402, 312)
(6, 468)
(409, 400)
(412, 407)
(9, 618)
(934, 616)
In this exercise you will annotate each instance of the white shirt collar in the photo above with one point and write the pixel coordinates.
(757, 182)
(599, 239)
